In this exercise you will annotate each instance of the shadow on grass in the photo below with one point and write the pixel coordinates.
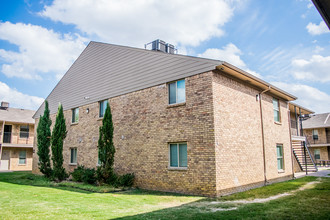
(29, 179)
(312, 203)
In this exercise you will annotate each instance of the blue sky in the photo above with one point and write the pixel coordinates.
(284, 42)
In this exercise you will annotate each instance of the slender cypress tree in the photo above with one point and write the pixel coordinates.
(106, 148)
(43, 139)
(58, 136)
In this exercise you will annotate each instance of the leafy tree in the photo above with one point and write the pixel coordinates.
(58, 136)
(43, 139)
(107, 149)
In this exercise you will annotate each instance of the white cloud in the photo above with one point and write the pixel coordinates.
(40, 50)
(18, 99)
(310, 5)
(229, 53)
(315, 29)
(308, 97)
(318, 49)
(315, 69)
(134, 23)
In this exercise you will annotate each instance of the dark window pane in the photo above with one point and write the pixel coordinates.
(183, 155)
(173, 155)
(172, 93)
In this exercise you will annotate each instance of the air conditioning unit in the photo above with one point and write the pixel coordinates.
(159, 45)
(170, 48)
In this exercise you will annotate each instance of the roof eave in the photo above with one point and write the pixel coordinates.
(303, 109)
(251, 79)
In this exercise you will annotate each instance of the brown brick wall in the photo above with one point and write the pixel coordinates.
(14, 158)
(220, 122)
(324, 155)
(15, 136)
(322, 137)
(237, 135)
(144, 124)
(276, 133)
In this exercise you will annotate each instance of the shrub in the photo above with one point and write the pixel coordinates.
(126, 180)
(78, 173)
(89, 176)
(85, 175)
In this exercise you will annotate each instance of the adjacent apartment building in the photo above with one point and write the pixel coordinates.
(16, 138)
(301, 150)
(317, 130)
(181, 124)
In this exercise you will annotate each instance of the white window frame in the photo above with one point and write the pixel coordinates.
(74, 112)
(178, 155)
(281, 157)
(277, 110)
(72, 162)
(19, 158)
(176, 92)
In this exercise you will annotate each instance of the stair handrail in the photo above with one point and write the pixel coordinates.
(309, 153)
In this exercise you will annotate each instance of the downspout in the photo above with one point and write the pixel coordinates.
(263, 133)
(289, 119)
(1, 139)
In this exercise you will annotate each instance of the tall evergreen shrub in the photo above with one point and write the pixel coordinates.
(43, 140)
(58, 136)
(107, 150)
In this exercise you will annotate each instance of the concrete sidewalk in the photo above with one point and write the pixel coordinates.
(323, 172)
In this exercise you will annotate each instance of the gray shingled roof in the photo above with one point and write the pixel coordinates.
(17, 115)
(104, 70)
(317, 121)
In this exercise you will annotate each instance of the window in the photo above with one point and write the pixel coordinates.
(177, 92)
(103, 106)
(276, 107)
(22, 157)
(317, 154)
(24, 131)
(73, 159)
(279, 152)
(315, 134)
(178, 155)
(75, 115)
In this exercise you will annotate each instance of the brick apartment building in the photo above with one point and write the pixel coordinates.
(16, 138)
(181, 124)
(317, 131)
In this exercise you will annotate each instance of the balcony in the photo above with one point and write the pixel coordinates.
(12, 139)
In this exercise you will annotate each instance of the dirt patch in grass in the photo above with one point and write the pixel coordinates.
(215, 206)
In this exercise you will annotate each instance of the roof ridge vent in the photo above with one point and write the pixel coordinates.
(160, 45)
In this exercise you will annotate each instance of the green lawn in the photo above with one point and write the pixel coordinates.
(26, 196)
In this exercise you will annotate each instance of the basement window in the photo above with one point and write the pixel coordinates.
(178, 155)
(22, 157)
(276, 107)
(73, 157)
(280, 160)
(24, 131)
(75, 115)
(177, 92)
(103, 106)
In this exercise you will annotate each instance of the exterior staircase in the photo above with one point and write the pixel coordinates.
(303, 156)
